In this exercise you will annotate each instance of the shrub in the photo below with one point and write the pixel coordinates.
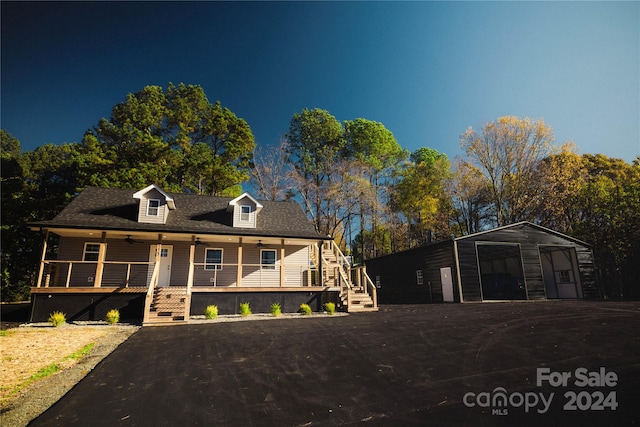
(211, 312)
(57, 318)
(245, 310)
(330, 307)
(113, 316)
(276, 309)
(305, 309)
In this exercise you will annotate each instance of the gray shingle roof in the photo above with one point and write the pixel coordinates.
(115, 209)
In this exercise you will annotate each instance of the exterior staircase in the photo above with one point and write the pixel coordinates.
(168, 307)
(357, 292)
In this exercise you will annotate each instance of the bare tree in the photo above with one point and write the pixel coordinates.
(270, 174)
(507, 152)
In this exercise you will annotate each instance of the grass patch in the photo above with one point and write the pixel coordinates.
(49, 370)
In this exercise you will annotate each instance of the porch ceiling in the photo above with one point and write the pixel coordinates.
(178, 237)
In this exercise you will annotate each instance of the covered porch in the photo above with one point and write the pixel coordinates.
(176, 274)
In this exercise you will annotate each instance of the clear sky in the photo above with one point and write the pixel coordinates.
(426, 70)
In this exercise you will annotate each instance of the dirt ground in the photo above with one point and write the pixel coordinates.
(26, 350)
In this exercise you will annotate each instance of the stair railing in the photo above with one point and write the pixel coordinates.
(149, 298)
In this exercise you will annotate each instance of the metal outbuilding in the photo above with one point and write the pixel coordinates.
(521, 261)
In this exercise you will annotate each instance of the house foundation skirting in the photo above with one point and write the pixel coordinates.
(92, 304)
(87, 304)
(260, 302)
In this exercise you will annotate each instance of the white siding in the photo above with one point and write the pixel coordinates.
(163, 209)
(296, 265)
(237, 213)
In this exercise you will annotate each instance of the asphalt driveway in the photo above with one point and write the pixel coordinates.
(551, 363)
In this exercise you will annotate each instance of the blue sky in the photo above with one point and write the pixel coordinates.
(426, 70)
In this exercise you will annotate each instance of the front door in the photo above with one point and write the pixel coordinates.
(166, 253)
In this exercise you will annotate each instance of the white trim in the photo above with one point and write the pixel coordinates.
(242, 213)
(170, 202)
(85, 252)
(157, 208)
(264, 266)
(211, 266)
(236, 201)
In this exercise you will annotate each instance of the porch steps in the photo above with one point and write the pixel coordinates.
(167, 307)
(359, 301)
(354, 300)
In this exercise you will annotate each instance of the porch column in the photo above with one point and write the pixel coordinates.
(97, 282)
(157, 265)
(282, 255)
(239, 276)
(44, 255)
(320, 266)
(192, 254)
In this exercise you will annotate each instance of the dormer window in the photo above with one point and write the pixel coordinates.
(245, 212)
(153, 207)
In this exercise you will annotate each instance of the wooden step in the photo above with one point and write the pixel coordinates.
(167, 307)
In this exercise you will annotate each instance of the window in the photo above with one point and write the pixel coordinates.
(268, 259)
(213, 259)
(153, 207)
(244, 213)
(564, 276)
(91, 252)
(419, 277)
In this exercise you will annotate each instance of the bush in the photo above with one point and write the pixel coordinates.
(57, 318)
(330, 307)
(245, 310)
(276, 309)
(211, 312)
(112, 317)
(305, 309)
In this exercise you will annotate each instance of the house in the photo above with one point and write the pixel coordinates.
(521, 261)
(161, 258)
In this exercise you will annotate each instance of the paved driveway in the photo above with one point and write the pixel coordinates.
(469, 364)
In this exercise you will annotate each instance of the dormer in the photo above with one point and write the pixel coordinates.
(153, 205)
(245, 210)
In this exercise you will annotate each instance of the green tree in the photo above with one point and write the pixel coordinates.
(176, 139)
(315, 146)
(420, 195)
(375, 155)
(608, 214)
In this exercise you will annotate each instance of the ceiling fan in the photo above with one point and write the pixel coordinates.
(261, 245)
(130, 241)
(198, 242)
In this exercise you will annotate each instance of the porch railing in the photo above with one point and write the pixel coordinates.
(69, 274)
(253, 275)
(83, 273)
